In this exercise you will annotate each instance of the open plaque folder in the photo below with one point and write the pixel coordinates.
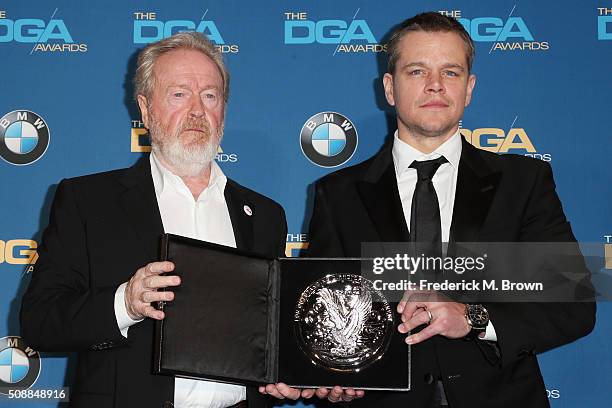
(308, 322)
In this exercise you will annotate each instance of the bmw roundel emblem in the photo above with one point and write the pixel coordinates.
(24, 137)
(328, 139)
(19, 364)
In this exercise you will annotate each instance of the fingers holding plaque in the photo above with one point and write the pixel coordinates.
(342, 323)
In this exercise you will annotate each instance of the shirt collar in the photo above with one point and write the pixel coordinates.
(162, 177)
(404, 154)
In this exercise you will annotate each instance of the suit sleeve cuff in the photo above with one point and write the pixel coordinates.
(124, 321)
(490, 334)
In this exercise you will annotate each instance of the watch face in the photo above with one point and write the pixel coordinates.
(478, 315)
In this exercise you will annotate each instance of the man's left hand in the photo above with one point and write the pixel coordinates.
(441, 315)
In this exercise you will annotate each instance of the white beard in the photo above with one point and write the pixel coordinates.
(186, 161)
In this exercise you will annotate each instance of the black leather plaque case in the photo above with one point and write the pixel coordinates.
(232, 321)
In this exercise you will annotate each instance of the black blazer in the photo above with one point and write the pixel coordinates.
(499, 198)
(103, 227)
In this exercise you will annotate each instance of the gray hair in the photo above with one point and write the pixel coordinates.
(144, 79)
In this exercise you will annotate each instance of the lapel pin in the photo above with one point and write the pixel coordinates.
(247, 210)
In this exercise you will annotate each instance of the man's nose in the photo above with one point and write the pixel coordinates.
(196, 106)
(434, 83)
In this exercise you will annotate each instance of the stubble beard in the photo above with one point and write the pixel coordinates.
(417, 130)
(188, 160)
(425, 128)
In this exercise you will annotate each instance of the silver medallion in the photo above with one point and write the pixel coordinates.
(343, 323)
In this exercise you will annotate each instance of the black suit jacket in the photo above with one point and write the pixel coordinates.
(103, 227)
(499, 198)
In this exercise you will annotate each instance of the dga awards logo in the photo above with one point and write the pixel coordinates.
(604, 23)
(141, 143)
(553, 393)
(19, 252)
(51, 35)
(19, 364)
(139, 138)
(328, 139)
(352, 35)
(295, 243)
(496, 140)
(507, 34)
(24, 137)
(608, 251)
(148, 29)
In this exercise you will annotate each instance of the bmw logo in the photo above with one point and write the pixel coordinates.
(328, 139)
(19, 364)
(24, 137)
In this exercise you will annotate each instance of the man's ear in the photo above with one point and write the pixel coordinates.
(470, 88)
(388, 85)
(144, 109)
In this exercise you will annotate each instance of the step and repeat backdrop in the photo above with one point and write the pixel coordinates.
(66, 109)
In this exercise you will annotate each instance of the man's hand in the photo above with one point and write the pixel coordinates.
(336, 394)
(280, 391)
(441, 315)
(141, 290)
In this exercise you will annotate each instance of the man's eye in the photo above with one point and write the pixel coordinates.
(210, 96)
(416, 72)
(178, 94)
(451, 73)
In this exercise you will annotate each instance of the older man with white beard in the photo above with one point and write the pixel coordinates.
(97, 275)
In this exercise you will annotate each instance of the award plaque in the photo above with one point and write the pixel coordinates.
(242, 318)
(335, 328)
(342, 323)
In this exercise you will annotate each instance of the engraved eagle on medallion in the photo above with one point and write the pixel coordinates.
(346, 313)
(342, 322)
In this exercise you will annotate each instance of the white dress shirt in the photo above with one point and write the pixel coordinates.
(206, 219)
(444, 181)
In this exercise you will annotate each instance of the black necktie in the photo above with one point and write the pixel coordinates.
(425, 226)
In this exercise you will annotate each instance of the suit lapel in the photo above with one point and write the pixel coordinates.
(476, 187)
(380, 196)
(242, 223)
(140, 204)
